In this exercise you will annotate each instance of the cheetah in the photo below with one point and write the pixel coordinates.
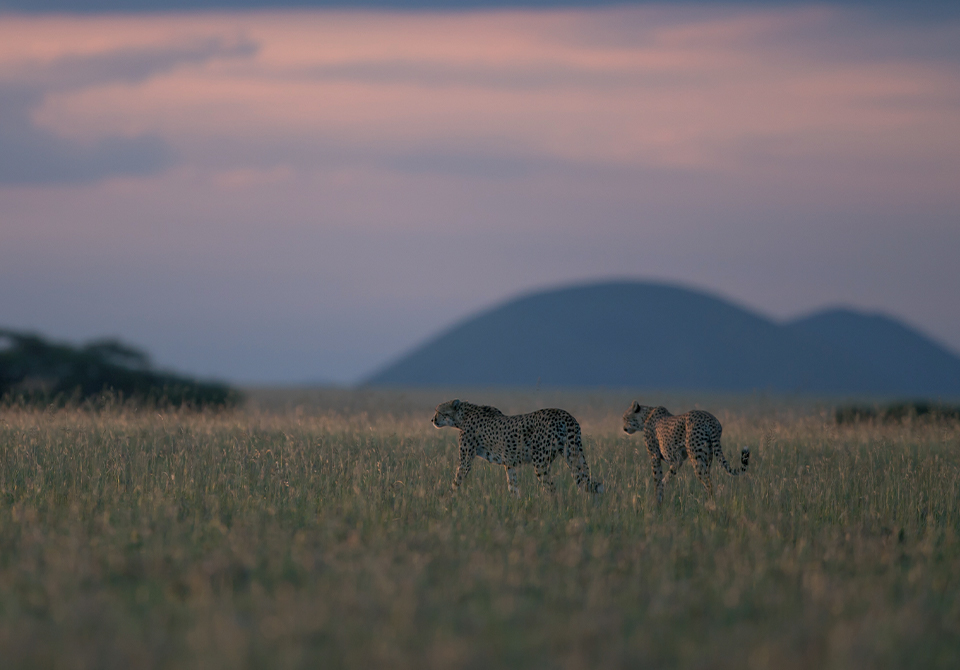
(537, 438)
(669, 438)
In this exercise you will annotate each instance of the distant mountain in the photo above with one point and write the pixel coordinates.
(646, 335)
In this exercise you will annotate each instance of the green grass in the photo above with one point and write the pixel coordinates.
(325, 536)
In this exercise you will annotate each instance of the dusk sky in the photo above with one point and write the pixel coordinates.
(301, 195)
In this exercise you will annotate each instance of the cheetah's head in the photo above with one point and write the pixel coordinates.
(448, 414)
(634, 417)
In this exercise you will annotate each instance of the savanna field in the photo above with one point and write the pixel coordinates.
(316, 529)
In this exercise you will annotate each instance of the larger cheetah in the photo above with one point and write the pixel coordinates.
(673, 439)
(537, 438)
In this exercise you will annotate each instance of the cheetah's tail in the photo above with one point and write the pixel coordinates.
(744, 459)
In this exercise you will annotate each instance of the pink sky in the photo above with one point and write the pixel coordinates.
(293, 196)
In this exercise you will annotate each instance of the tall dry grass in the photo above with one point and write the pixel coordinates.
(315, 529)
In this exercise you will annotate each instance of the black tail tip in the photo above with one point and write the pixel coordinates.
(745, 456)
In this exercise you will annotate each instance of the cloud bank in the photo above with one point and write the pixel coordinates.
(31, 154)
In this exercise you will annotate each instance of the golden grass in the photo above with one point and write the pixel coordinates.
(315, 529)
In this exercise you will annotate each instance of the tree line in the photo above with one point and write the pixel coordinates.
(35, 371)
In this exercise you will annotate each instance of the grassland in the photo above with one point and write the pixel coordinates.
(316, 530)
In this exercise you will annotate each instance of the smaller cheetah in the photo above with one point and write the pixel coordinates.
(673, 439)
(537, 438)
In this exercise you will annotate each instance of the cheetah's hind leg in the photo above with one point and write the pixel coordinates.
(702, 468)
(512, 485)
(543, 474)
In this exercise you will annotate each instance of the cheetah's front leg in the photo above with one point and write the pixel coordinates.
(656, 459)
(467, 453)
(672, 471)
(657, 463)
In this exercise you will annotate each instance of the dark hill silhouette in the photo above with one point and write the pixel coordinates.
(646, 335)
(905, 360)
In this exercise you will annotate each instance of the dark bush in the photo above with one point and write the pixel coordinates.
(897, 412)
(35, 371)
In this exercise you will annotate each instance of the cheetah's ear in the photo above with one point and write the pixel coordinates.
(635, 407)
(456, 403)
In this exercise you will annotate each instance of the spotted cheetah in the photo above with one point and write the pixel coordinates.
(537, 438)
(669, 438)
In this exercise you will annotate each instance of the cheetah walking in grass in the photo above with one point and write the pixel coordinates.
(510, 441)
(694, 435)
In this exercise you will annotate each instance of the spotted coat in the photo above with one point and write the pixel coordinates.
(537, 438)
(694, 435)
